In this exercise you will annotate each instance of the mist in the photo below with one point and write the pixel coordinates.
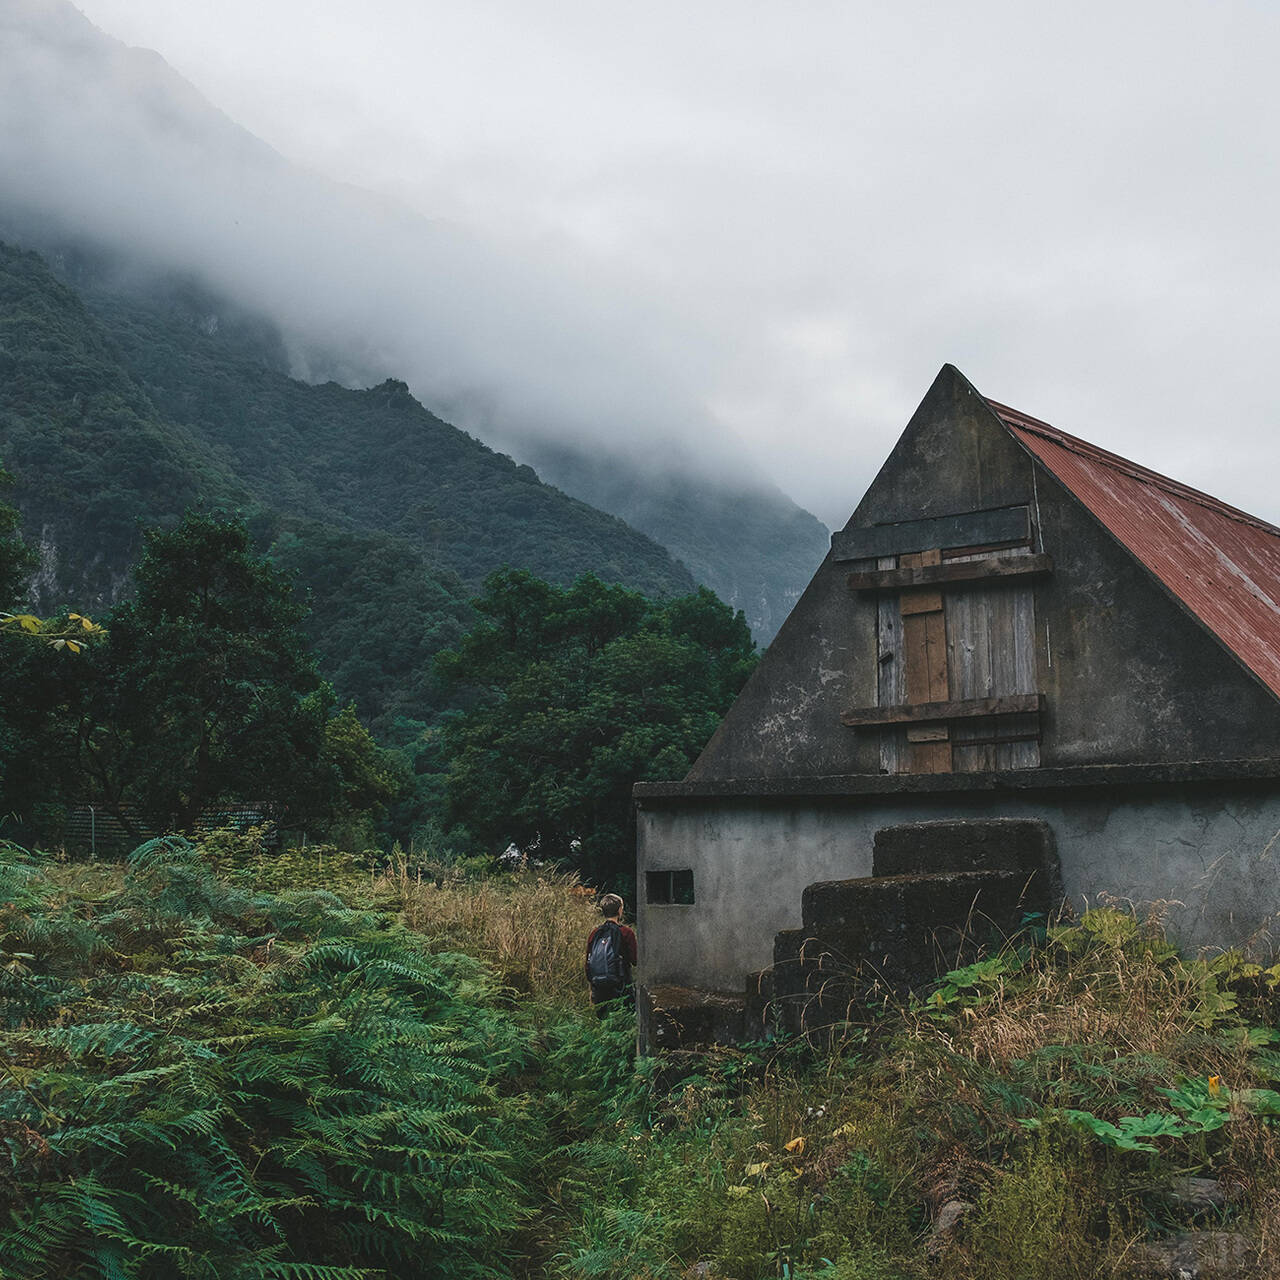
(741, 237)
(108, 144)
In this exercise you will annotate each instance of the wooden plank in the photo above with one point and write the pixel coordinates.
(968, 648)
(910, 602)
(954, 573)
(930, 757)
(1021, 547)
(1018, 743)
(915, 646)
(928, 733)
(891, 687)
(938, 688)
(924, 712)
(965, 529)
(1022, 604)
(924, 634)
(923, 601)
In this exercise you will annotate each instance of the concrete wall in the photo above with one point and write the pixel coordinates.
(1213, 847)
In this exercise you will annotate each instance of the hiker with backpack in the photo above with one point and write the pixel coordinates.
(611, 952)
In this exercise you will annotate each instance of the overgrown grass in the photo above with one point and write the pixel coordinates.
(212, 1066)
(531, 926)
(1059, 1094)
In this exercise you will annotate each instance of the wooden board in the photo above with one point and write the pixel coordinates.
(956, 572)
(942, 712)
(891, 687)
(991, 639)
(924, 633)
(928, 733)
(966, 529)
(955, 678)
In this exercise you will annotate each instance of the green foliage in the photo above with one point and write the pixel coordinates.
(200, 1077)
(126, 406)
(583, 691)
(205, 688)
(371, 460)
(379, 614)
(209, 1082)
(34, 684)
(1035, 1224)
(368, 778)
(747, 542)
(91, 454)
(17, 560)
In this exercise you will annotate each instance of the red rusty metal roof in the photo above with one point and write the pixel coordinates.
(1222, 564)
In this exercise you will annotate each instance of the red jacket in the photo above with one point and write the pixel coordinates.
(630, 947)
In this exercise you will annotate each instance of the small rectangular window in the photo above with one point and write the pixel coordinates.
(670, 887)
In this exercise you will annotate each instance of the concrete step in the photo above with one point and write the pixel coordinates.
(869, 938)
(686, 1017)
(987, 844)
(758, 1022)
(873, 912)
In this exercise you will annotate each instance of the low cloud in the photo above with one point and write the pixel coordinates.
(743, 236)
(107, 142)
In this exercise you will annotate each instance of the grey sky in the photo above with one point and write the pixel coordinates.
(817, 204)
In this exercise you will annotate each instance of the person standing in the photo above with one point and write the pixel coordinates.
(612, 952)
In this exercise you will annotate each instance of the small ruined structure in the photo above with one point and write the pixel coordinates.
(1027, 670)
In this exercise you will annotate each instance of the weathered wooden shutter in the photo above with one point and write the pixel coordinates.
(955, 646)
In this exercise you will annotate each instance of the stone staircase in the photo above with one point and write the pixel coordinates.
(941, 894)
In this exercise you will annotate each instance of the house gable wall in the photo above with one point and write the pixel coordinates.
(1127, 673)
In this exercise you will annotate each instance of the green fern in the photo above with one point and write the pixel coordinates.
(206, 1081)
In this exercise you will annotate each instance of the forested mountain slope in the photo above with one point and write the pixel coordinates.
(748, 542)
(373, 459)
(113, 147)
(90, 452)
(126, 406)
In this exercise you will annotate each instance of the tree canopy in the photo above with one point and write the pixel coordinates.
(580, 692)
(206, 689)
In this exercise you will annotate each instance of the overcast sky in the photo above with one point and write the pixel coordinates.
(1077, 205)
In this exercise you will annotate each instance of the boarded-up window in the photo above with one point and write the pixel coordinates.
(959, 647)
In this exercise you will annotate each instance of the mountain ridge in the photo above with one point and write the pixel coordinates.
(86, 394)
(118, 148)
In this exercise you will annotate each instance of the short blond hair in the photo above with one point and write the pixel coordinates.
(611, 906)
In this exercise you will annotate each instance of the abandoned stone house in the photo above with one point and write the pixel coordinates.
(1027, 669)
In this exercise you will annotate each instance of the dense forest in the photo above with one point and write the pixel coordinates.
(123, 417)
(200, 689)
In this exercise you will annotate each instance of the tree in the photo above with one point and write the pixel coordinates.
(35, 682)
(367, 778)
(17, 560)
(581, 692)
(205, 690)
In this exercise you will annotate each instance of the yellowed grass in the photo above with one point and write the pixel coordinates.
(532, 927)
(1126, 997)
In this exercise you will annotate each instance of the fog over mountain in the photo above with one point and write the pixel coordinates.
(108, 142)
(821, 203)
(580, 374)
(776, 219)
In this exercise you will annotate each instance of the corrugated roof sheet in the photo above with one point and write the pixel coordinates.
(1223, 564)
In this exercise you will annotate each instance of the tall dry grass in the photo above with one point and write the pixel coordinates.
(532, 926)
(1113, 985)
